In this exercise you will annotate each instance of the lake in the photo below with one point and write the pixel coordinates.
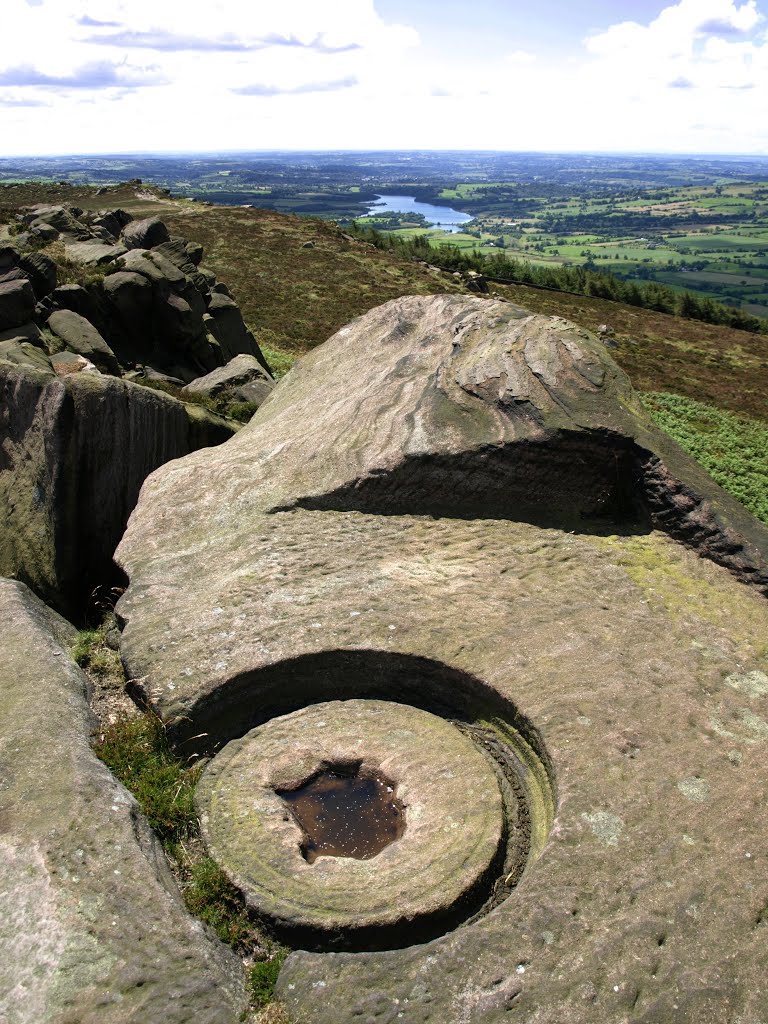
(436, 216)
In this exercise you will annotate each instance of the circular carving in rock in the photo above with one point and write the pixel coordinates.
(447, 857)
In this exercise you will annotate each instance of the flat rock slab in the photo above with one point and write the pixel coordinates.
(92, 927)
(302, 562)
(454, 818)
(94, 253)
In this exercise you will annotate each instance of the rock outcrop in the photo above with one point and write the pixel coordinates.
(156, 308)
(92, 926)
(461, 507)
(75, 452)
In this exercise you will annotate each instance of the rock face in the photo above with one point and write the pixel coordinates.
(460, 507)
(75, 453)
(92, 927)
(17, 303)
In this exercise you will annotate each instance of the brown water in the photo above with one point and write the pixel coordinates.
(345, 814)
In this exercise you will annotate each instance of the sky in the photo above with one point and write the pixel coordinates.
(129, 76)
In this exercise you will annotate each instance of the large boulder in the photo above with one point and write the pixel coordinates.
(9, 257)
(17, 303)
(145, 234)
(75, 453)
(62, 219)
(225, 322)
(459, 506)
(76, 298)
(240, 373)
(92, 927)
(41, 271)
(19, 352)
(130, 294)
(79, 336)
(24, 332)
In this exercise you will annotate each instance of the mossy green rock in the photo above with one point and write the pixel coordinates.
(92, 927)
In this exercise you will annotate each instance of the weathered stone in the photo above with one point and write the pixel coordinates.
(237, 372)
(180, 321)
(76, 451)
(130, 294)
(81, 337)
(225, 323)
(195, 252)
(254, 393)
(149, 373)
(60, 218)
(23, 353)
(9, 257)
(41, 231)
(14, 274)
(24, 332)
(68, 362)
(152, 265)
(41, 271)
(145, 234)
(92, 927)
(451, 504)
(94, 253)
(76, 298)
(109, 222)
(453, 829)
(17, 304)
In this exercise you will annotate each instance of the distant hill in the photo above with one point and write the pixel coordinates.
(299, 279)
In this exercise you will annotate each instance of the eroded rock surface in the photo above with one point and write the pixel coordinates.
(458, 506)
(75, 452)
(92, 927)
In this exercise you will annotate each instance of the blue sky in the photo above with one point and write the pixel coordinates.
(142, 75)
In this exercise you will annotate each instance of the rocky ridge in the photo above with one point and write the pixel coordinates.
(79, 432)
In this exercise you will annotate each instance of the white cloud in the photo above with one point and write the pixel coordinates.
(334, 74)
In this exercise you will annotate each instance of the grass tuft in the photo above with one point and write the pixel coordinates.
(91, 653)
(733, 449)
(211, 896)
(263, 977)
(138, 753)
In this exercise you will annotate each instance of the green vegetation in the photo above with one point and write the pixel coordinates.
(211, 896)
(240, 411)
(92, 653)
(138, 753)
(263, 977)
(279, 362)
(733, 449)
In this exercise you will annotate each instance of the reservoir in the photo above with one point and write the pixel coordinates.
(436, 216)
